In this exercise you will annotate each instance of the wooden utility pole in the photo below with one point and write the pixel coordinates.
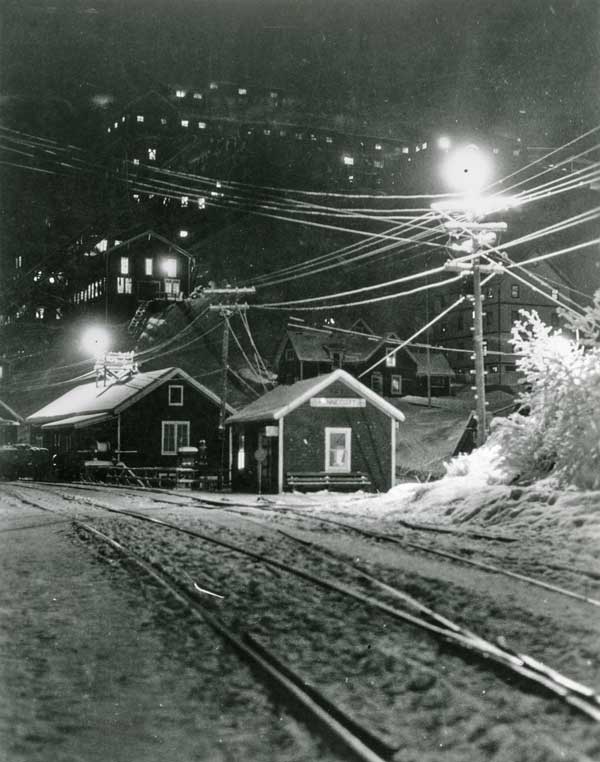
(477, 232)
(226, 310)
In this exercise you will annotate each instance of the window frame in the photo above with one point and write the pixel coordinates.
(347, 432)
(177, 425)
(398, 377)
(515, 291)
(149, 266)
(172, 387)
(379, 376)
(124, 266)
(390, 358)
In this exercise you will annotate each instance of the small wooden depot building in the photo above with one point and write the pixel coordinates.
(327, 432)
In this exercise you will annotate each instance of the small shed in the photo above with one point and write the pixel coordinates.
(330, 431)
(141, 419)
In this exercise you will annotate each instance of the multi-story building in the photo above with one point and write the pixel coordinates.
(503, 299)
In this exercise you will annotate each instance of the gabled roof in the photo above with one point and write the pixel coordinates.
(148, 234)
(103, 401)
(277, 403)
(317, 345)
(438, 364)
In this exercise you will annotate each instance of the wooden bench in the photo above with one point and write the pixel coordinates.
(316, 480)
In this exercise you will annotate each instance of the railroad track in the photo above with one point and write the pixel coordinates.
(529, 671)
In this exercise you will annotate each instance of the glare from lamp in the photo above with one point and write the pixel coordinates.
(467, 169)
(95, 341)
(444, 143)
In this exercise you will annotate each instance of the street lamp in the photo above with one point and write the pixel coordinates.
(467, 169)
(96, 341)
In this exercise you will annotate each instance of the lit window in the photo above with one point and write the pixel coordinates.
(338, 449)
(136, 197)
(116, 125)
(175, 434)
(201, 203)
(18, 262)
(123, 285)
(185, 200)
(405, 149)
(241, 454)
(124, 265)
(197, 96)
(273, 94)
(172, 287)
(139, 118)
(266, 132)
(515, 291)
(136, 162)
(175, 395)
(39, 313)
(108, 129)
(329, 139)
(348, 161)
(163, 120)
(185, 122)
(390, 360)
(313, 137)
(555, 293)
(396, 385)
(242, 91)
(424, 146)
(123, 118)
(152, 154)
(214, 86)
(378, 146)
(417, 148)
(183, 233)
(180, 93)
(169, 267)
(299, 136)
(102, 245)
(377, 383)
(148, 266)
(201, 125)
(378, 164)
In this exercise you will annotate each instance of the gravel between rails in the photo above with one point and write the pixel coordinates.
(413, 690)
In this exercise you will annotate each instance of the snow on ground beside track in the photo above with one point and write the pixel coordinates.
(568, 520)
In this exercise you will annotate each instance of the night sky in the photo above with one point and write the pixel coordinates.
(519, 67)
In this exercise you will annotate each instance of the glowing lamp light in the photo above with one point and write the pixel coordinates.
(444, 143)
(95, 341)
(467, 169)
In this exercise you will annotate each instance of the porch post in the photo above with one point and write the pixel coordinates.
(393, 458)
(280, 457)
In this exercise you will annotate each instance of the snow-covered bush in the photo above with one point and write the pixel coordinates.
(560, 432)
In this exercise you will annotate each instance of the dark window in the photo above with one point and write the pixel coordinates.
(176, 394)
(510, 368)
(377, 383)
(514, 316)
(489, 294)
(554, 320)
(336, 359)
(290, 354)
(461, 321)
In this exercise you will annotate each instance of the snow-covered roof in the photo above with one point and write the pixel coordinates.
(438, 363)
(91, 399)
(283, 399)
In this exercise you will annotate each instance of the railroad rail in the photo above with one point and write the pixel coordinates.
(378, 536)
(578, 696)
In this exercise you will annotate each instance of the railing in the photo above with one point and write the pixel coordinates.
(149, 476)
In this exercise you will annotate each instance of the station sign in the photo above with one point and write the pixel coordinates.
(338, 402)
